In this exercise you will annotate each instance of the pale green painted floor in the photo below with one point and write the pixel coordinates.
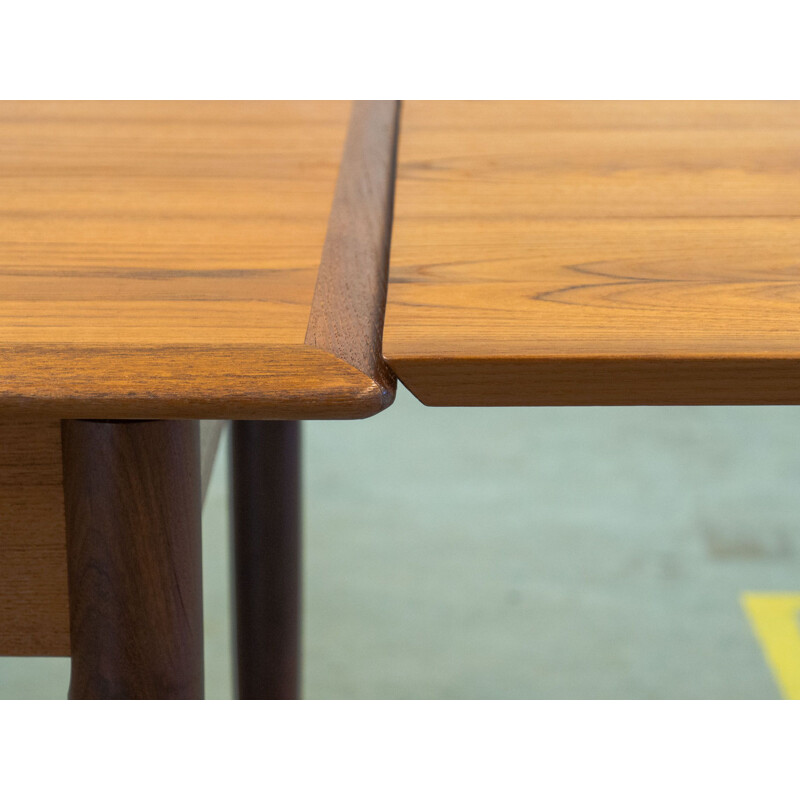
(526, 553)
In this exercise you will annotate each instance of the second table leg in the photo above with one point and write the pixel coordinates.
(265, 488)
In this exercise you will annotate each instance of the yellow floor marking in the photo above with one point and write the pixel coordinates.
(774, 618)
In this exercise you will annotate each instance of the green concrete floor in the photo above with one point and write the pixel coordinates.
(525, 553)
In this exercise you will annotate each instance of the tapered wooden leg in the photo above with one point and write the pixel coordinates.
(265, 489)
(132, 502)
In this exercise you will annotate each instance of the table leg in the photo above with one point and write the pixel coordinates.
(132, 503)
(265, 473)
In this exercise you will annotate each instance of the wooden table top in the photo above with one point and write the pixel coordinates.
(574, 253)
(183, 259)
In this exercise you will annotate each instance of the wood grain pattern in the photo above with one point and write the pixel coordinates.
(132, 507)
(34, 613)
(160, 259)
(597, 253)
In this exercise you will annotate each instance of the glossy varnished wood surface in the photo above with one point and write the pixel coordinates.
(160, 259)
(597, 253)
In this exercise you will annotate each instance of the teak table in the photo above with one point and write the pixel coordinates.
(172, 261)
(162, 263)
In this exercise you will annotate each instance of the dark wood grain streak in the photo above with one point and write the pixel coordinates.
(132, 504)
(348, 308)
